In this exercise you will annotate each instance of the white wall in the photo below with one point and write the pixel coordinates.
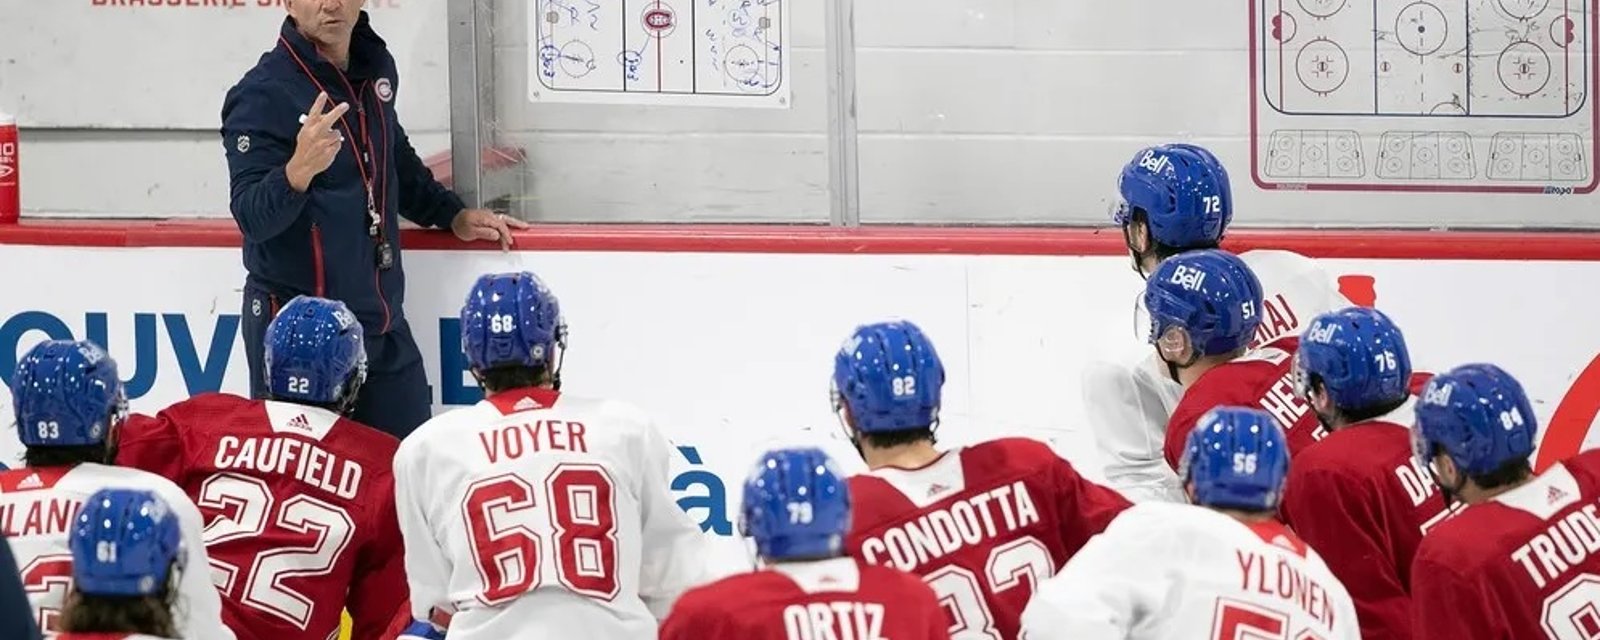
(971, 110)
(120, 105)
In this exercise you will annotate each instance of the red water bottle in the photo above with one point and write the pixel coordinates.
(10, 191)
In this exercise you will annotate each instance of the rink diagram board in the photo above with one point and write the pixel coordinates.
(697, 52)
(1424, 95)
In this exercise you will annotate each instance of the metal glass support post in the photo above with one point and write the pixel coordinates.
(471, 94)
(844, 173)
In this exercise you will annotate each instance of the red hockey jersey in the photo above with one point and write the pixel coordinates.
(835, 598)
(299, 510)
(1522, 565)
(982, 525)
(1360, 498)
(1261, 379)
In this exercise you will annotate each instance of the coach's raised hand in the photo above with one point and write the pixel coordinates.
(317, 144)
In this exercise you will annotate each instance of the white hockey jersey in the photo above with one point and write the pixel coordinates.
(1129, 401)
(38, 508)
(534, 514)
(1175, 571)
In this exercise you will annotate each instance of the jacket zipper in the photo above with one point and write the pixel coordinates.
(377, 274)
(316, 257)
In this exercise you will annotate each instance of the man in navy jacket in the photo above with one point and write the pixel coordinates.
(321, 170)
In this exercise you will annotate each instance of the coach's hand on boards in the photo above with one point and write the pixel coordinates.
(317, 143)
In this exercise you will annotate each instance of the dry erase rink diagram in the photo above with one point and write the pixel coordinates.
(709, 52)
(1424, 95)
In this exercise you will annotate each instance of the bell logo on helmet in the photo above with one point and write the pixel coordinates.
(1438, 395)
(1188, 277)
(92, 353)
(1155, 163)
(1321, 333)
(156, 509)
(850, 345)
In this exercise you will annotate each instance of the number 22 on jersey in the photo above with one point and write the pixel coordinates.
(571, 519)
(248, 507)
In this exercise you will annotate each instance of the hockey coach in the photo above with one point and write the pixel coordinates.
(321, 171)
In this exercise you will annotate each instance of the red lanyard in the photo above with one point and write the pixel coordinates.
(362, 148)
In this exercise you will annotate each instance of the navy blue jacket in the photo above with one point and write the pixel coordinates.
(16, 614)
(318, 242)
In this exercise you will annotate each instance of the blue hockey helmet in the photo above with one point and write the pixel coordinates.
(889, 377)
(1236, 458)
(67, 394)
(1359, 355)
(1210, 294)
(1478, 415)
(796, 505)
(125, 542)
(315, 353)
(512, 319)
(1183, 191)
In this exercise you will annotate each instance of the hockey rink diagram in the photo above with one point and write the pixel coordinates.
(1425, 95)
(658, 51)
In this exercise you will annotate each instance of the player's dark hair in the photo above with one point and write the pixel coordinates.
(1510, 473)
(1163, 250)
(1364, 414)
(500, 379)
(888, 439)
(149, 615)
(67, 456)
(1359, 414)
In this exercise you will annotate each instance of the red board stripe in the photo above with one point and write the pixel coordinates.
(1390, 244)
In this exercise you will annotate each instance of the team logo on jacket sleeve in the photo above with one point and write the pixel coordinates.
(384, 89)
(243, 144)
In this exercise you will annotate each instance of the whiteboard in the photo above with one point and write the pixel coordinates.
(682, 52)
(166, 64)
(1470, 96)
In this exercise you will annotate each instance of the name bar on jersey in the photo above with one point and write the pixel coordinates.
(941, 532)
(1565, 544)
(300, 460)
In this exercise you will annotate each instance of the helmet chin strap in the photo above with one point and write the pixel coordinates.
(1174, 367)
(1134, 253)
(1452, 495)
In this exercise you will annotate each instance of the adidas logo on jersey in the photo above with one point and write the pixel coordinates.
(1284, 542)
(1555, 494)
(30, 482)
(936, 489)
(526, 404)
(300, 422)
